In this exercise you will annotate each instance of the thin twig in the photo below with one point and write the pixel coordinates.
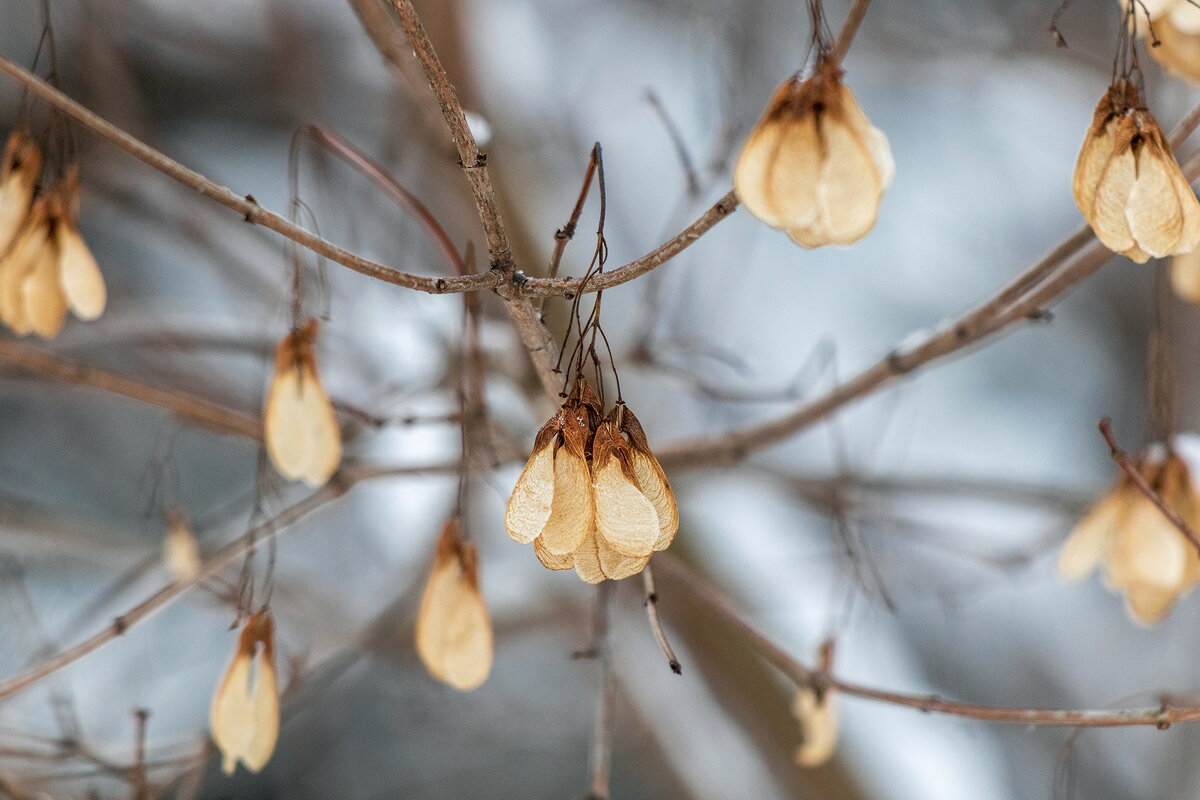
(1130, 469)
(849, 29)
(186, 406)
(246, 206)
(600, 754)
(711, 598)
(639, 266)
(473, 162)
(220, 560)
(651, 604)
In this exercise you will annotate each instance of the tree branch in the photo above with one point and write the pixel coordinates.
(639, 266)
(187, 406)
(710, 597)
(245, 206)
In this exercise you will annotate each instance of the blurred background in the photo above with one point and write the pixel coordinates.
(920, 527)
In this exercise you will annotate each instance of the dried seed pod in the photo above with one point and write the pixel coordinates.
(454, 630)
(1091, 539)
(550, 560)
(245, 708)
(532, 498)
(181, 554)
(595, 561)
(1128, 185)
(1185, 276)
(1152, 563)
(20, 262)
(814, 165)
(301, 430)
(1145, 557)
(817, 713)
(573, 509)
(79, 275)
(552, 502)
(651, 480)
(19, 172)
(625, 519)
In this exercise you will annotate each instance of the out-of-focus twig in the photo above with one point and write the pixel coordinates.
(187, 406)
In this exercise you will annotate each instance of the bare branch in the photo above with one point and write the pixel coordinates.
(710, 597)
(245, 206)
(187, 406)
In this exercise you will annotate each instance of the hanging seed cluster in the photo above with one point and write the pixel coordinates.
(1128, 184)
(301, 430)
(1143, 555)
(815, 166)
(244, 718)
(454, 629)
(46, 268)
(592, 496)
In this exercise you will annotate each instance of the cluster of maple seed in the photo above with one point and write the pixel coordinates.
(592, 495)
(814, 166)
(1145, 557)
(46, 268)
(1128, 184)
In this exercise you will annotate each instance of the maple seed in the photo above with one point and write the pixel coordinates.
(814, 166)
(1128, 185)
(1185, 276)
(181, 554)
(454, 630)
(19, 171)
(245, 708)
(301, 430)
(818, 726)
(1144, 556)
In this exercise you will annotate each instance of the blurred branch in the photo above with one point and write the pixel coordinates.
(187, 406)
(600, 755)
(708, 594)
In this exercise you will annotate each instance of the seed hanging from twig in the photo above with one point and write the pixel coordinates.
(245, 708)
(181, 554)
(1145, 557)
(454, 630)
(1128, 184)
(592, 495)
(19, 173)
(301, 430)
(814, 166)
(817, 713)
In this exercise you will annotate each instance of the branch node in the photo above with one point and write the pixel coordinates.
(249, 217)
